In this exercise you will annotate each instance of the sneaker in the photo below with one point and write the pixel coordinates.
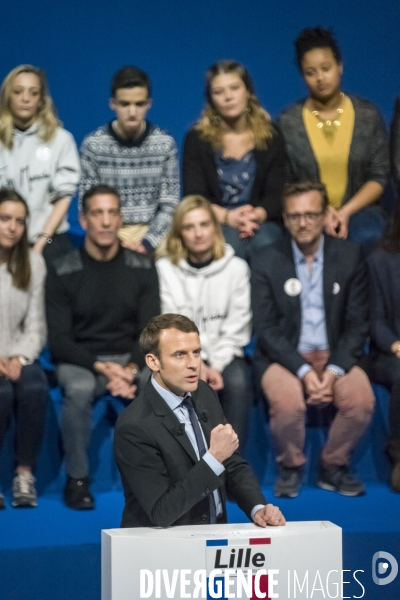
(288, 483)
(2, 502)
(77, 494)
(24, 493)
(340, 479)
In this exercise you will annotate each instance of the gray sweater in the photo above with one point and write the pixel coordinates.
(22, 317)
(369, 149)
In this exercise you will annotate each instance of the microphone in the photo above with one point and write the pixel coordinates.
(204, 416)
(181, 429)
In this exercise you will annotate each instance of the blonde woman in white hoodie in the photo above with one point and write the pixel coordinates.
(202, 279)
(38, 158)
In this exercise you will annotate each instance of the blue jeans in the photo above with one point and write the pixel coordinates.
(367, 227)
(27, 398)
(237, 397)
(268, 233)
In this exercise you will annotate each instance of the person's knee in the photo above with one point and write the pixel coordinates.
(358, 401)
(78, 390)
(235, 375)
(269, 233)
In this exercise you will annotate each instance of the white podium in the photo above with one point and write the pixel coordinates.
(300, 560)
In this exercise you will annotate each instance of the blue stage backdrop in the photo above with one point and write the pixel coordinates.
(81, 43)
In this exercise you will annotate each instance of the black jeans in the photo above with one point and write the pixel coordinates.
(27, 398)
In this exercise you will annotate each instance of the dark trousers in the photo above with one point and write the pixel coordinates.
(27, 399)
(268, 233)
(237, 397)
(385, 369)
(367, 227)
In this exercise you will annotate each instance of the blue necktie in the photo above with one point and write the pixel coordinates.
(188, 403)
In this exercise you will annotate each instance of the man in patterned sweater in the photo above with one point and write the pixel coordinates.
(138, 159)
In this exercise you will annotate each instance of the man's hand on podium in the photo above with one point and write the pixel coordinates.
(269, 515)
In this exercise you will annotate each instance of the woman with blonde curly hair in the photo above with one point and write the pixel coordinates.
(38, 158)
(202, 279)
(234, 156)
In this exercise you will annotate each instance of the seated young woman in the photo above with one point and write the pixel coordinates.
(23, 384)
(38, 158)
(234, 157)
(384, 270)
(202, 279)
(338, 139)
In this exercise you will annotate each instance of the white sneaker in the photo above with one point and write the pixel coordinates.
(23, 489)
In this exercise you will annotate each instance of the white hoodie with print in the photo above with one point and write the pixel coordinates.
(216, 298)
(42, 172)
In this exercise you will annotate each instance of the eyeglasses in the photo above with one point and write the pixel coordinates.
(309, 217)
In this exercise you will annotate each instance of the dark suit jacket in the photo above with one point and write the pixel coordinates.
(164, 483)
(277, 316)
(384, 271)
(199, 173)
(395, 143)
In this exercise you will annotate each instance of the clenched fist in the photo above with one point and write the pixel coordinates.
(223, 442)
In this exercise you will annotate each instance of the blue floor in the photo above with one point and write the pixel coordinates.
(53, 553)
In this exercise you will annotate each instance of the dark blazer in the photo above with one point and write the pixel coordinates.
(199, 173)
(164, 483)
(395, 143)
(277, 316)
(384, 271)
(369, 149)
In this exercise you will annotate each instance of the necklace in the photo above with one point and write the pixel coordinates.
(329, 125)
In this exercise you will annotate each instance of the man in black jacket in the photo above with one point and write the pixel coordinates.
(310, 308)
(176, 453)
(98, 300)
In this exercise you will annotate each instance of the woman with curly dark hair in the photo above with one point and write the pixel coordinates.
(338, 139)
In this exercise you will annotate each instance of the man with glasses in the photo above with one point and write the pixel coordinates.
(310, 308)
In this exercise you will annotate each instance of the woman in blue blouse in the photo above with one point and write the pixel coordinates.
(234, 156)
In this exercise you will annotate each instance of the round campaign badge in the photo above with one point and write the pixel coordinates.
(336, 288)
(292, 287)
(43, 153)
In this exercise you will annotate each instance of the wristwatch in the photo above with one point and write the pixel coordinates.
(134, 368)
(335, 372)
(23, 361)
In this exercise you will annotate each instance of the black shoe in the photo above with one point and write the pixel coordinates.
(77, 494)
(339, 479)
(288, 483)
(2, 502)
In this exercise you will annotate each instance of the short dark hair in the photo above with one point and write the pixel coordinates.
(150, 337)
(101, 188)
(296, 189)
(129, 77)
(315, 37)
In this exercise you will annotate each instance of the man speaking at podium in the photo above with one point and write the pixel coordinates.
(177, 455)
